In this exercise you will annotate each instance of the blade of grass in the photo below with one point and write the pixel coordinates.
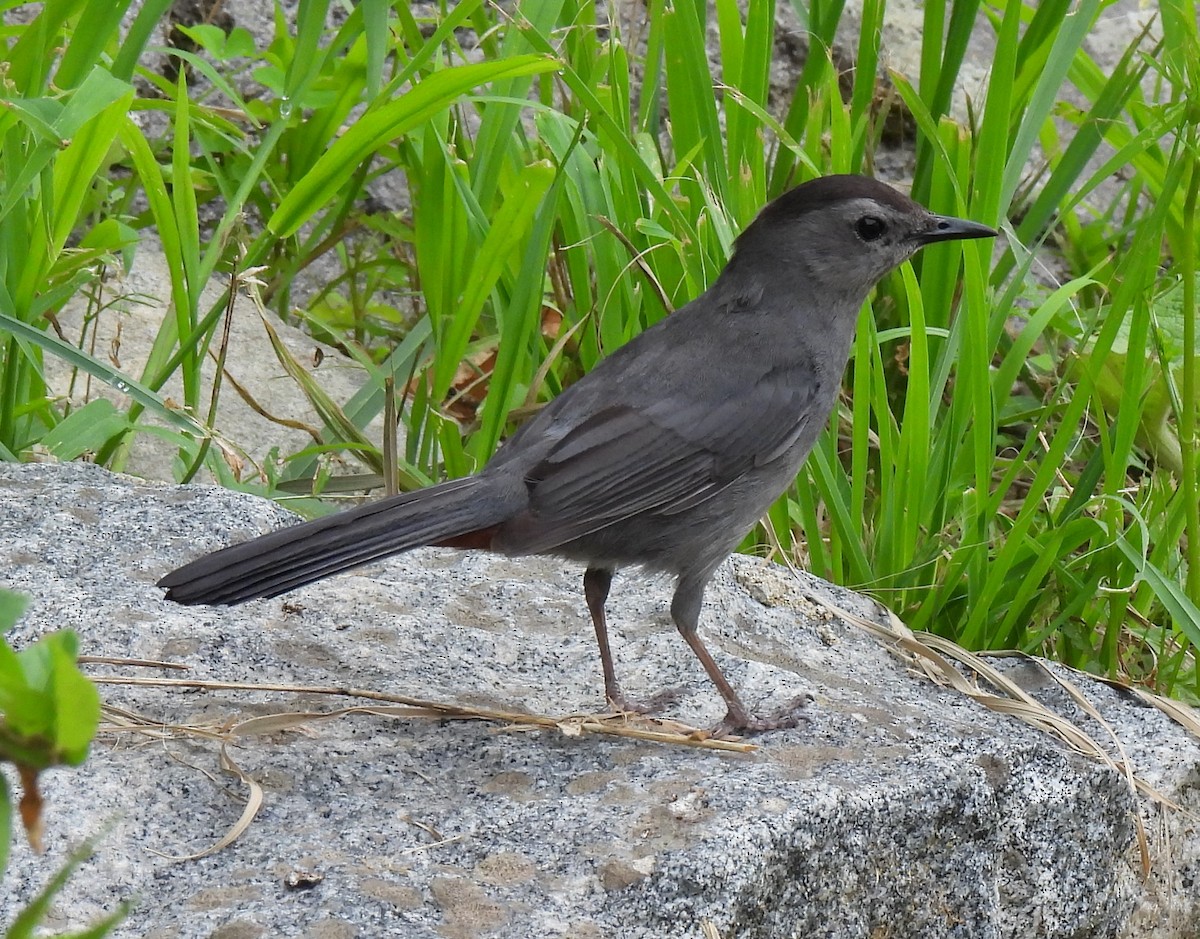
(391, 120)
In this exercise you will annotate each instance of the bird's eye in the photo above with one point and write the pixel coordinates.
(869, 228)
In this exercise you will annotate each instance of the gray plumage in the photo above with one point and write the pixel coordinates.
(669, 451)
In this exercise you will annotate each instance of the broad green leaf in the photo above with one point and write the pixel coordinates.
(12, 605)
(12, 675)
(39, 115)
(98, 92)
(26, 711)
(79, 164)
(76, 704)
(86, 430)
(1184, 613)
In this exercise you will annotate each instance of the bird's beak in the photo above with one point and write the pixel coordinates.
(948, 228)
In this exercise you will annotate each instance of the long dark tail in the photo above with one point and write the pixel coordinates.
(300, 554)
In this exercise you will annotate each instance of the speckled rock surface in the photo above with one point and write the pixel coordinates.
(899, 810)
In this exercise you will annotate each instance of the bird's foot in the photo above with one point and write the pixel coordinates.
(741, 722)
(621, 703)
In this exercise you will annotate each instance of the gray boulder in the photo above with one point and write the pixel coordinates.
(900, 809)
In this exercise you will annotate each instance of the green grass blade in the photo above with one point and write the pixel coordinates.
(97, 368)
(98, 25)
(375, 31)
(149, 15)
(380, 126)
(1068, 40)
(509, 230)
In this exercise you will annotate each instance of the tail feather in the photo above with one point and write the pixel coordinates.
(298, 555)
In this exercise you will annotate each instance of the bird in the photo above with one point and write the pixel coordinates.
(666, 454)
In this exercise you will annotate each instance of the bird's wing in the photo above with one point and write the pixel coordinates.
(662, 458)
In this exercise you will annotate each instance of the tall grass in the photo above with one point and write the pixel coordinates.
(1012, 464)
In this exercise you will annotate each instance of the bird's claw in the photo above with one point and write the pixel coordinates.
(738, 721)
(621, 703)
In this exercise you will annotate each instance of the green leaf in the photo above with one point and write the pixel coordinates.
(138, 34)
(90, 100)
(112, 236)
(12, 676)
(27, 712)
(38, 660)
(1184, 613)
(39, 115)
(76, 703)
(98, 25)
(102, 370)
(507, 234)
(86, 430)
(208, 37)
(26, 925)
(375, 29)
(5, 824)
(1113, 374)
(78, 165)
(239, 43)
(383, 125)
(50, 710)
(12, 605)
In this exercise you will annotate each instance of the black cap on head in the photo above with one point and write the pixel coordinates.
(825, 190)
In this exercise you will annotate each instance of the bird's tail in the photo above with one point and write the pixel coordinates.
(451, 513)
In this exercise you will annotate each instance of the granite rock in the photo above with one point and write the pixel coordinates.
(899, 809)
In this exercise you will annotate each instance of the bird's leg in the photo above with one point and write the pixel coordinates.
(685, 610)
(596, 582)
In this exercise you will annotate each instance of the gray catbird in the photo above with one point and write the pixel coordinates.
(668, 452)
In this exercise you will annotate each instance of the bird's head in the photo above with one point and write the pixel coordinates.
(840, 234)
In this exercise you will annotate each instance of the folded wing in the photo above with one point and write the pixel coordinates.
(663, 458)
